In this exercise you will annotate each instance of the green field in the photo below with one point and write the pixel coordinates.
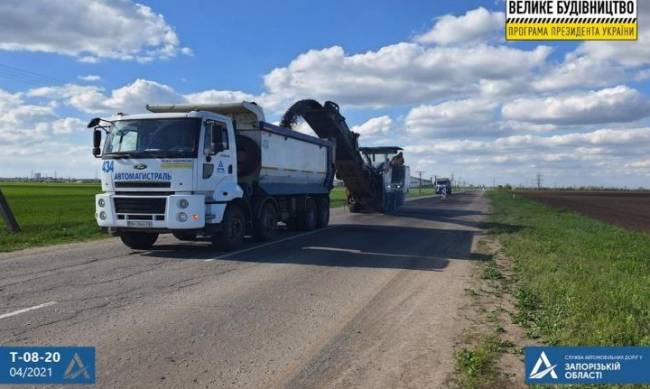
(58, 213)
(578, 281)
(50, 213)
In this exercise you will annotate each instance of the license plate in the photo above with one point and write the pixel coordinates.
(139, 223)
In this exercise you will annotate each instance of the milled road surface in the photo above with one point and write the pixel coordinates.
(373, 301)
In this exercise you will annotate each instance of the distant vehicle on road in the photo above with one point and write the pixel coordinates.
(443, 184)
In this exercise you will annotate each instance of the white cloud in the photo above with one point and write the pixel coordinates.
(87, 29)
(580, 71)
(21, 121)
(620, 104)
(476, 25)
(131, 98)
(68, 125)
(601, 157)
(455, 118)
(642, 75)
(399, 74)
(376, 126)
(640, 164)
(90, 78)
(628, 54)
(218, 96)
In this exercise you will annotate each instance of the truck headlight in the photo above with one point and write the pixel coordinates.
(102, 215)
(182, 217)
(101, 203)
(183, 203)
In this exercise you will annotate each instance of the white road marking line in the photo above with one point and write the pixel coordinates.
(35, 307)
(332, 249)
(269, 243)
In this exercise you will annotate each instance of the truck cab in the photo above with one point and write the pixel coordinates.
(388, 163)
(443, 184)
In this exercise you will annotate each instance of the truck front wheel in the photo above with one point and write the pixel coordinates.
(234, 228)
(138, 240)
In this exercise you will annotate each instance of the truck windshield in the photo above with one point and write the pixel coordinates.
(154, 138)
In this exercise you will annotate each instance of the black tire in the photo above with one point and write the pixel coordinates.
(187, 236)
(139, 240)
(292, 224)
(306, 219)
(233, 229)
(266, 223)
(323, 212)
(354, 208)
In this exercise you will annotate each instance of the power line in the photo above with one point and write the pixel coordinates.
(26, 76)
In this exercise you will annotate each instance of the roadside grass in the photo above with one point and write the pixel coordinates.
(476, 366)
(337, 197)
(578, 281)
(49, 214)
(415, 192)
(478, 359)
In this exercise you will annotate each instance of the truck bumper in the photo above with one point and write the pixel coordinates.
(149, 212)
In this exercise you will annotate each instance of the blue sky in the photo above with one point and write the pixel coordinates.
(435, 77)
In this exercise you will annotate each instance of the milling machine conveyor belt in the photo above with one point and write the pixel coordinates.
(328, 123)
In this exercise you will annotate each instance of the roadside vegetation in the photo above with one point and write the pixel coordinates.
(489, 343)
(49, 213)
(550, 276)
(59, 213)
(579, 281)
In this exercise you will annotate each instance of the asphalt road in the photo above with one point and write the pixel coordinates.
(372, 301)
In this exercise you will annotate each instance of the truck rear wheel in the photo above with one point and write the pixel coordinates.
(233, 229)
(138, 240)
(323, 215)
(307, 219)
(266, 224)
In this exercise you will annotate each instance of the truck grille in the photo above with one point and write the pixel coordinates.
(140, 205)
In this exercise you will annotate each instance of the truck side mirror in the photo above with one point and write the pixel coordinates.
(94, 122)
(97, 140)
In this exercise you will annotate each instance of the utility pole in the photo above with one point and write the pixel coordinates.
(539, 181)
(5, 212)
(420, 187)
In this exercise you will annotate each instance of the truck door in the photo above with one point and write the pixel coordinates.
(218, 172)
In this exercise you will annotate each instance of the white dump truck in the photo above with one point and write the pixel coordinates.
(219, 172)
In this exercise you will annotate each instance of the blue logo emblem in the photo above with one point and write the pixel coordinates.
(220, 168)
(38, 365)
(587, 365)
(107, 166)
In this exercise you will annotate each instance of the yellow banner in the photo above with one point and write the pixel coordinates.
(572, 31)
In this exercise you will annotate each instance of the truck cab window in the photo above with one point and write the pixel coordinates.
(153, 138)
(221, 127)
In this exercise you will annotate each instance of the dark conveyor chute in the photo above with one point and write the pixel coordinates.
(328, 123)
